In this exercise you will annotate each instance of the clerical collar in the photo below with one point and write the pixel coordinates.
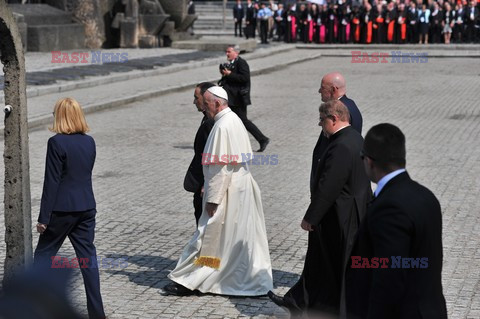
(222, 113)
(340, 129)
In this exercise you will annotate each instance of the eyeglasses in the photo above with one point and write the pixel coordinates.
(322, 119)
(363, 154)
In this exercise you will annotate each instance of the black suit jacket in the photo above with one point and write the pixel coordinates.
(67, 186)
(355, 120)
(404, 220)
(341, 186)
(237, 80)
(467, 18)
(238, 13)
(194, 178)
(251, 15)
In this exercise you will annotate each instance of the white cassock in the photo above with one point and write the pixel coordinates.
(228, 253)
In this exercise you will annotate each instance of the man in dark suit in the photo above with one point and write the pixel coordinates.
(339, 197)
(403, 226)
(471, 17)
(333, 87)
(250, 20)
(238, 14)
(194, 178)
(236, 81)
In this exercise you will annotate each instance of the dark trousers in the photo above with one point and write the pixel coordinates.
(250, 30)
(241, 111)
(470, 32)
(264, 31)
(80, 229)
(319, 288)
(197, 204)
(238, 25)
(412, 34)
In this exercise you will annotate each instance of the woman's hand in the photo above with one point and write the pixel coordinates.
(41, 228)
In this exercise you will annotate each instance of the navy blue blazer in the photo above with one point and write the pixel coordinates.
(356, 119)
(67, 186)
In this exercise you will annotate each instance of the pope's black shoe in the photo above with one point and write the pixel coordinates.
(263, 145)
(177, 290)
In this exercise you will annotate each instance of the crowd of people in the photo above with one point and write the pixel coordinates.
(360, 21)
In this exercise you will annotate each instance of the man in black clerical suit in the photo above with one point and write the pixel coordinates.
(339, 196)
(194, 178)
(403, 226)
(236, 81)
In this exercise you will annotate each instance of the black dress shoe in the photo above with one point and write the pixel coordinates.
(177, 290)
(276, 299)
(284, 302)
(263, 145)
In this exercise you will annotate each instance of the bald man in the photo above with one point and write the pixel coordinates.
(333, 87)
(319, 286)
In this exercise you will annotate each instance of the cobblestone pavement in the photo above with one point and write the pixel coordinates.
(143, 150)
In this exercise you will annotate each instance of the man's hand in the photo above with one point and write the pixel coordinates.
(225, 72)
(202, 191)
(211, 209)
(41, 228)
(306, 225)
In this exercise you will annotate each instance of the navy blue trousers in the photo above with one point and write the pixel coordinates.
(80, 229)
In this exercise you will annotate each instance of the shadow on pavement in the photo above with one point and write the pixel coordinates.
(153, 271)
(150, 270)
(262, 306)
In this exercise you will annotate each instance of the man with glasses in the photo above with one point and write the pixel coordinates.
(333, 87)
(339, 197)
(403, 226)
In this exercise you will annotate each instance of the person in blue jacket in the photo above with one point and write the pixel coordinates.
(68, 205)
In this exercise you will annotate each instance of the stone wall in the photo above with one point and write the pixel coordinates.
(90, 14)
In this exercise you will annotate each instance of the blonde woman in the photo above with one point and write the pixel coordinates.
(68, 205)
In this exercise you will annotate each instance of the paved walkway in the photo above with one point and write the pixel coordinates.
(144, 148)
(100, 92)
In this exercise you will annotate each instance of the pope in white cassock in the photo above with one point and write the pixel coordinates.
(228, 253)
